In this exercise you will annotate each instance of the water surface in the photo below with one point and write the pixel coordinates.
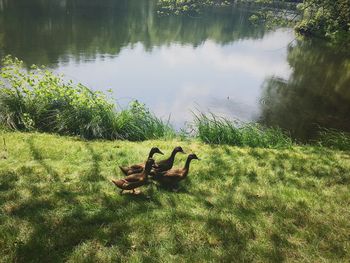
(215, 62)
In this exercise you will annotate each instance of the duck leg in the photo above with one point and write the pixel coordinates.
(121, 192)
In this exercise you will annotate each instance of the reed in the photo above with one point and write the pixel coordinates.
(334, 139)
(213, 129)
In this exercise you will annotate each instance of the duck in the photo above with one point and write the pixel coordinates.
(173, 176)
(138, 168)
(167, 164)
(135, 180)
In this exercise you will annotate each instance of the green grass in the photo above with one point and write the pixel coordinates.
(39, 100)
(334, 139)
(213, 129)
(238, 204)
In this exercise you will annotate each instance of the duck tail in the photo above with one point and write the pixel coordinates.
(124, 170)
(118, 183)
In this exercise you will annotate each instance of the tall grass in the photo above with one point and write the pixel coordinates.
(42, 101)
(213, 129)
(334, 139)
(38, 100)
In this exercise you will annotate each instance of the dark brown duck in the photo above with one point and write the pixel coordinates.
(138, 168)
(174, 176)
(135, 180)
(167, 164)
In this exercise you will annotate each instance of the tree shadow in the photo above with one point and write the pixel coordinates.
(63, 216)
(94, 174)
(41, 160)
(8, 180)
(108, 222)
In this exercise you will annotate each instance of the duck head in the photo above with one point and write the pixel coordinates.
(193, 157)
(153, 151)
(178, 149)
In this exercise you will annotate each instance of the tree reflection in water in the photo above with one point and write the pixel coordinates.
(317, 94)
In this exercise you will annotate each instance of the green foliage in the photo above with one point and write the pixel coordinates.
(238, 204)
(138, 123)
(218, 130)
(268, 12)
(334, 139)
(326, 18)
(39, 100)
(176, 7)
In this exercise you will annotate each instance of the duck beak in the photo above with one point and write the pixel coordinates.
(160, 152)
(183, 152)
(198, 159)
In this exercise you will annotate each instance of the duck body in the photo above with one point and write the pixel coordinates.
(174, 176)
(167, 164)
(138, 168)
(135, 180)
(133, 169)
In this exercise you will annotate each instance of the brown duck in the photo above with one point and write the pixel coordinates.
(167, 164)
(135, 180)
(174, 176)
(138, 168)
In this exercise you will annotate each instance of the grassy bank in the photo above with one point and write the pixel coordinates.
(238, 204)
(39, 100)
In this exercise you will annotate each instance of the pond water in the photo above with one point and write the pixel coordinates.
(215, 62)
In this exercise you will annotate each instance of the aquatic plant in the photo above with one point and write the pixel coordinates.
(334, 139)
(38, 100)
(213, 129)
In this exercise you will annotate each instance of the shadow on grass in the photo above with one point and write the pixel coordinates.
(8, 180)
(62, 216)
(40, 159)
(64, 220)
(94, 174)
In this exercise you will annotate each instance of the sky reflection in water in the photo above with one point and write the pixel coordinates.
(176, 79)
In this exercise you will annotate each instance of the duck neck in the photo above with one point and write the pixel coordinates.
(187, 164)
(147, 170)
(172, 157)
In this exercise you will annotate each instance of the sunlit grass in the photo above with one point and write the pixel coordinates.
(238, 204)
(213, 129)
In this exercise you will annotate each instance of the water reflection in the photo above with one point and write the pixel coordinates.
(175, 79)
(317, 94)
(45, 32)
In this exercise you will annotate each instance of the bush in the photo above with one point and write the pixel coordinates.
(39, 100)
(325, 18)
(177, 7)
